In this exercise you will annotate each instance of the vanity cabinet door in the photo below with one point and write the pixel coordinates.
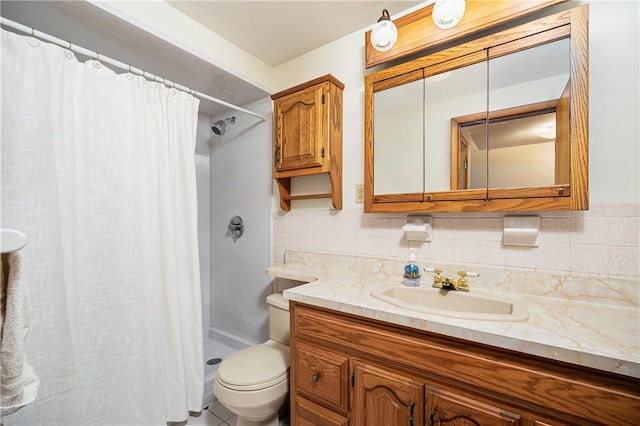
(384, 397)
(446, 408)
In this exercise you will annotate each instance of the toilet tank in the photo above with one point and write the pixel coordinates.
(279, 324)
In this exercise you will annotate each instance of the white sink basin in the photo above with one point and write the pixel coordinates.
(470, 305)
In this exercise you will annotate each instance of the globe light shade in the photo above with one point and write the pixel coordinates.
(384, 34)
(447, 13)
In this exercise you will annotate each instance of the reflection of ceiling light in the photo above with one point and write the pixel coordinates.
(384, 34)
(438, 77)
(447, 13)
(548, 133)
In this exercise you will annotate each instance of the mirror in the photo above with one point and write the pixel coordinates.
(496, 124)
(452, 93)
(521, 151)
(399, 115)
(520, 154)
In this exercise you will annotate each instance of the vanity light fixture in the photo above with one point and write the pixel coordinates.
(447, 13)
(384, 34)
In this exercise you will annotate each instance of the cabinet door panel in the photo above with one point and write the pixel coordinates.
(384, 397)
(299, 129)
(446, 408)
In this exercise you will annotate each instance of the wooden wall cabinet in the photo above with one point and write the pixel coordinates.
(307, 137)
(416, 109)
(349, 370)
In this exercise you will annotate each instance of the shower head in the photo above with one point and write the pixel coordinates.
(219, 127)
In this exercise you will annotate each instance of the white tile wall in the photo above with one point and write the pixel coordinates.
(602, 242)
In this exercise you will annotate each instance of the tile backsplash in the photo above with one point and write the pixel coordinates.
(601, 242)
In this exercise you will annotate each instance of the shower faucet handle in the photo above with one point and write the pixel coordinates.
(236, 227)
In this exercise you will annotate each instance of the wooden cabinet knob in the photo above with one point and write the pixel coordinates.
(315, 377)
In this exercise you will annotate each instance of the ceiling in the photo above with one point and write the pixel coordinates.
(277, 31)
(273, 31)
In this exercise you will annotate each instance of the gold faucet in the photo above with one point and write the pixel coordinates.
(448, 283)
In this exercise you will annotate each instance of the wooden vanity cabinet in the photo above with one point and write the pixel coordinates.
(450, 408)
(307, 137)
(381, 396)
(349, 370)
(323, 376)
(384, 397)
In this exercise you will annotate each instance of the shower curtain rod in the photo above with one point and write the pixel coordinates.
(121, 65)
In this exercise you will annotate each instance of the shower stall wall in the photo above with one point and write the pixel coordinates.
(234, 178)
(241, 185)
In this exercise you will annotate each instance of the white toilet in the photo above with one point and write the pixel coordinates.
(254, 382)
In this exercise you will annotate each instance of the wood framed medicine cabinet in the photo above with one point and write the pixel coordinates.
(435, 137)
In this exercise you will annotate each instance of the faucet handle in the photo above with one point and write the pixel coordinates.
(437, 271)
(462, 283)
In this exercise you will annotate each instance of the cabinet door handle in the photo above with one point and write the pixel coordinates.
(411, 406)
(315, 377)
(431, 415)
(277, 153)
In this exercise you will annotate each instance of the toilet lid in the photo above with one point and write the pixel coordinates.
(256, 367)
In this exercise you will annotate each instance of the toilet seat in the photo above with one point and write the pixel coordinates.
(254, 368)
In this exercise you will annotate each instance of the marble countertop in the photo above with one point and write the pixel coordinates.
(588, 322)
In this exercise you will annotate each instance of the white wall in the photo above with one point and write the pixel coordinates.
(603, 241)
(241, 185)
(524, 165)
(614, 151)
(614, 111)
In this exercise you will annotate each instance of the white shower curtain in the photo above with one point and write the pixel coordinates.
(98, 171)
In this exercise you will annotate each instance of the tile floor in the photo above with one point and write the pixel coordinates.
(215, 415)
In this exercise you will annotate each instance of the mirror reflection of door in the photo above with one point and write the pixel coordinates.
(563, 148)
(523, 144)
(524, 149)
(463, 163)
(527, 141)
